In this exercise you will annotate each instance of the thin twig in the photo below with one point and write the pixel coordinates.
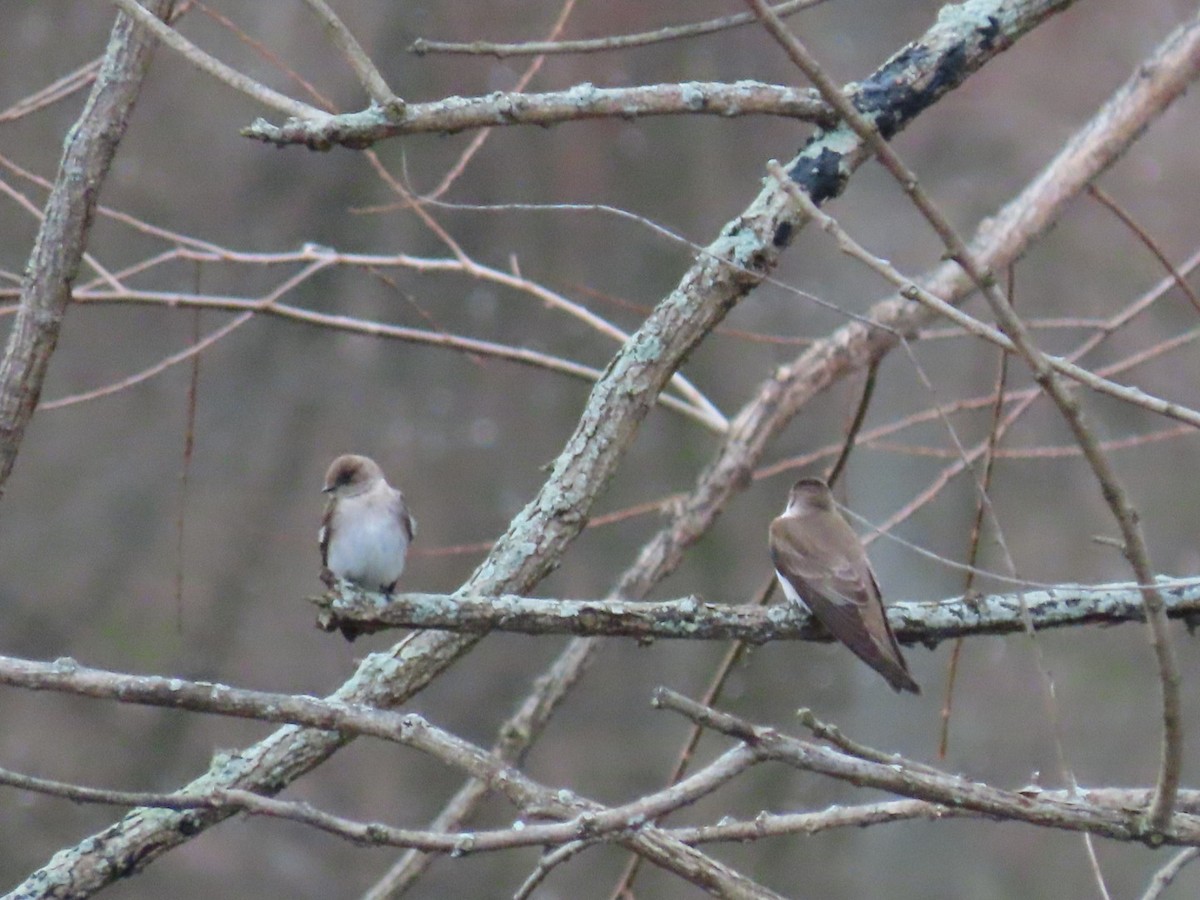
(1167, 874)
(1144, 237)
(690, 392)
(369, 76)
(712, 694)
(477, 142)
(613, 42)
(214, 67)
(900, 777)
(856, 423)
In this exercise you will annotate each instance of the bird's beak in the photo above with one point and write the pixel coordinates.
(327, 490)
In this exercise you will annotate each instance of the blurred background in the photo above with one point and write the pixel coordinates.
(90, 519)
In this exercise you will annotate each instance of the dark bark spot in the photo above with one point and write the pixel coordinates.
(889, 99)
(820, 177)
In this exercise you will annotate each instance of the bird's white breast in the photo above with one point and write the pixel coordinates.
(368, 544)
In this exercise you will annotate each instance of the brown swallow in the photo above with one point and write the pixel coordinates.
(820, 560)
(366, 529)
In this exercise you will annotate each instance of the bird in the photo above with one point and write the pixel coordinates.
(820, 561)
(366, 529)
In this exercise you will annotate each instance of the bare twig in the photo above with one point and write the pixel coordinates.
(369, 76)
(612, 42)
(214, 67)
(1144, 237)
(1031, 806)
(52, 93)
(583, 817)
(547, 864)
(712, 694)
(453, 173)
(766, 825)
(856, 423)
(985, 482)
(514, 739)
(1163, 877)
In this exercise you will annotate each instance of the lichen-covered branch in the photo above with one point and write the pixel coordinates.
(450, 115)
(1033, 807)
(625, 823)
(691, 618)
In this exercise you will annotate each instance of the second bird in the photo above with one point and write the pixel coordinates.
(820, 561)
(367, 528)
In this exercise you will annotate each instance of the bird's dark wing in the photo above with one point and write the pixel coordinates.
(400, 511)
(323, 534)
(830, 572)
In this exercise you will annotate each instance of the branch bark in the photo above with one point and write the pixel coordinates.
(365, 128)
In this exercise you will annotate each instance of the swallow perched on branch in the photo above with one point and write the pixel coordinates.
(366, 529)
(820, 561)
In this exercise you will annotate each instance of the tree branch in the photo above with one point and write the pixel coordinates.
(358, 130)
(421, 46)
(1034, 806)
(691, 618)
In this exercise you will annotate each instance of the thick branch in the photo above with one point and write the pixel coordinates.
(62, 237)
(690, 618)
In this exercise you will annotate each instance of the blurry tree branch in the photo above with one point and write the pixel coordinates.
(215, 67)
(913, 291)
(1167, 874)
(691, 618)
(371, 79)
(391, 117)
(336, 322)
(62, 238)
